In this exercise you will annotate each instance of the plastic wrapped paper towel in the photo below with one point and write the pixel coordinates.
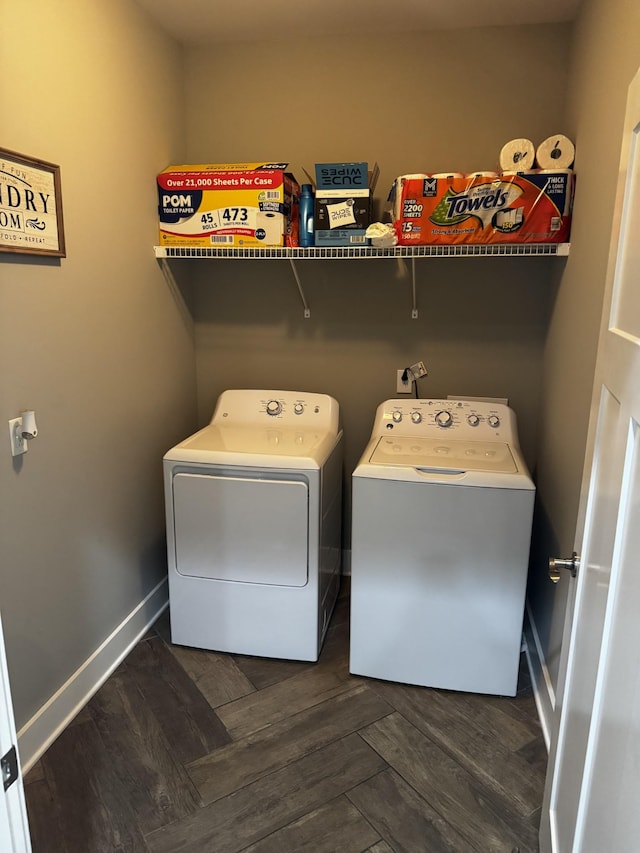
(396, 192)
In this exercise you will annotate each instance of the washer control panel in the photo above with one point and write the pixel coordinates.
(473, 419)
(281, 408)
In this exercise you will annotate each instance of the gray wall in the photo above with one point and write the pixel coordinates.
(97, 343)
(605, 57)
(481, 331)
(102, 337)
(427, 102)
(522, 329)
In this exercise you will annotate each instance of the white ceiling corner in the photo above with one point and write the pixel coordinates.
(201, 22)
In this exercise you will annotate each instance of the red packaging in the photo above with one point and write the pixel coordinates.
(522, 207)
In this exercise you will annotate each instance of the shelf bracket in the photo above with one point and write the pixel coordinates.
(307, 312)
(414, 310)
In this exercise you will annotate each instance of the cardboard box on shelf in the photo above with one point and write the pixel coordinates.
(228, 204)
(345, 176)
(519, 207)
(343, 203)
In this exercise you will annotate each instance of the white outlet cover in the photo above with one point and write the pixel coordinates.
(18, 443)
(403, 387)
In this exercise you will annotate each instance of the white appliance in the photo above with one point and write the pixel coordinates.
(441, 529)
(253, 508)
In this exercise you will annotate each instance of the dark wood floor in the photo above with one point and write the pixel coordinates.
(185, 750)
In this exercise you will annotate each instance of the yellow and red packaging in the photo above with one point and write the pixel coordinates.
(228, 204)
(518, 207)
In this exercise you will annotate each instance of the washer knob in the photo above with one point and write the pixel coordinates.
(473, 420)
(444, 418)
(397, 417)
(493, 421)
(416, 417)
(274, 407)
(298, 408)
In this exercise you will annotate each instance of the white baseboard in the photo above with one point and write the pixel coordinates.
(543, 691)
(46, 724)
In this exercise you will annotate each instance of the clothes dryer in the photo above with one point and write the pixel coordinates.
(253, 509)
(441, 529)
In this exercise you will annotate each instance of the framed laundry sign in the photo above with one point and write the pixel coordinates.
(30, 206)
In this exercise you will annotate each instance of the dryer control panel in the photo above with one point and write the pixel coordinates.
(462, 419)
(245, 407)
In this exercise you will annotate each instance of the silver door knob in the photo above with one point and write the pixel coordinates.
(556, 563)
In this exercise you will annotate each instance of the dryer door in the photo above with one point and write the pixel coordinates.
(248, 529)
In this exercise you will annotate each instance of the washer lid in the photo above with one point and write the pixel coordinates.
(440, 454)
(258, 446)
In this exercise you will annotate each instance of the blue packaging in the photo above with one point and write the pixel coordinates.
(344, 176)
(342, 237)
(305, 230)
(344, 203)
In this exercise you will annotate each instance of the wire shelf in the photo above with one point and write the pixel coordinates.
(487, 250)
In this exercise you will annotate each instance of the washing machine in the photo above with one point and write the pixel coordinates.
(253, 510)
(441, 530)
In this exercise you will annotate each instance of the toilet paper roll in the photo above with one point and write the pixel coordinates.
(517, 154)
(272, 225)
(556, 152)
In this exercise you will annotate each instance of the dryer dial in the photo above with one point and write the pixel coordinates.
(473, 420)
(397, 417)
(444, 418)
(416, 417)
(274, 407)
(298, 408)
(493, 421)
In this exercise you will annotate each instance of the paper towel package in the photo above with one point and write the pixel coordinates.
(228, 204)
(517, 207)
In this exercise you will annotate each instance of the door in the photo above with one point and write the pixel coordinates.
(14, 829)
(594, 764)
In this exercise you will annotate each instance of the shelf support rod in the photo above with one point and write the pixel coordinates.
(307, 312)
(414, 310)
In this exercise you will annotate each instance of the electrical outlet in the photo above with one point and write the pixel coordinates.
(18, 443)
(403, 386)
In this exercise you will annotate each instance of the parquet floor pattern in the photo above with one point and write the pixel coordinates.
(188, 750)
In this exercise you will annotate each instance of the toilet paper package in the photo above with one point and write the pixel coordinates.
(228, 204)
(520, 207)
